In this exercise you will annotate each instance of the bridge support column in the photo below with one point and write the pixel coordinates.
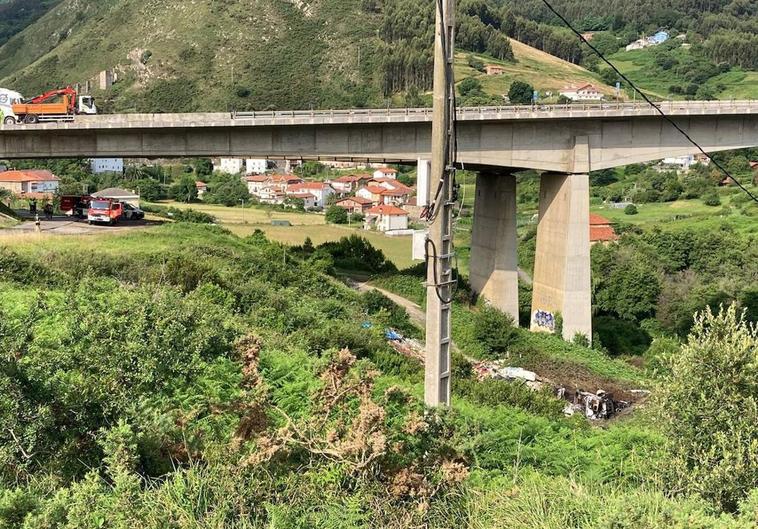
(562, 260)
(494, 261)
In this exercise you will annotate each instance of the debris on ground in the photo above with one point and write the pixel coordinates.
(594, 406)
(599, 405)
(405, 346)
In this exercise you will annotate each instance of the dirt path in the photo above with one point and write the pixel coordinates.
(416, 313)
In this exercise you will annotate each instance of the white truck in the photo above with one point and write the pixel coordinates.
(8, 98)
(61, 104)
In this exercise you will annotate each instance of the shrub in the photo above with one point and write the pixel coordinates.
(494, 329)
(521, 93)
(712, 199)
(631, 209)
(336, 215)
(708, 407)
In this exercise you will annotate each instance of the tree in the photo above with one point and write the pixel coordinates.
(609, 77)
(475, 63)
(149, 189)
(228, 190)
(203, 167)
(631, 209)
(708, 406)
(470, 87)
(521, 93)
(184, 190)
(336, 215)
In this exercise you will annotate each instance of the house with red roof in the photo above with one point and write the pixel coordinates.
(34, 183)
(372, 192)
(387, 172)
(355, 204)
(321, 191)
(202, 188)
(601, 230)
(347, 184)
(584, 92)
(386, 218)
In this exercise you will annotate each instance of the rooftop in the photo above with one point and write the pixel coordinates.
(357, 200)
(115, 192)
(386, 209)
(28, 175)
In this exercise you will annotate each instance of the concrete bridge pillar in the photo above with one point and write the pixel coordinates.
(494, 263)
(562, 260)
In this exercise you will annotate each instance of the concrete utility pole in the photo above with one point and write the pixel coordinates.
(439, 245)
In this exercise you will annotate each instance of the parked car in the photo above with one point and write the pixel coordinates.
(132, 212)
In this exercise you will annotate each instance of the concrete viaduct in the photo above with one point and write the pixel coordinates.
(565, 143)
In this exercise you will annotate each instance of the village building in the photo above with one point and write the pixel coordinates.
(371, 192)
(309, 201)
(586, 92)
(119, 194)
(320, 190)
(107, 165)
(386, 218)
(30, 183)
(386, 172)
(355, 204)
(646, 42)
(601, 230)
(202, 188)
(494, 69)
(347, 184)
(257, 166)
(229, 165)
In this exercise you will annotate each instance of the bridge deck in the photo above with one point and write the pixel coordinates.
(392, 115)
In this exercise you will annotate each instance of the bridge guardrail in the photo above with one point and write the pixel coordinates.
(665, 106)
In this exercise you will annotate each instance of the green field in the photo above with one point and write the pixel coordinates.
(304, 225)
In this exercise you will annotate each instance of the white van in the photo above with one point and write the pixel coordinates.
(8, 98)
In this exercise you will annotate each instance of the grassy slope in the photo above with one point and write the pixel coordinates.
(397, 249)
(542, 70)
(217, 46)
(639, 66)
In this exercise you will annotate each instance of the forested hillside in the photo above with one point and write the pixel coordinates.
(207, 55)
(15, 15)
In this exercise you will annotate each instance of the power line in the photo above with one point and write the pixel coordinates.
(648, 100)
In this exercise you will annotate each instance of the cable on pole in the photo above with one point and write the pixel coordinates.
(648, 100)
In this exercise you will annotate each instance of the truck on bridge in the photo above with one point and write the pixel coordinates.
(55, 105)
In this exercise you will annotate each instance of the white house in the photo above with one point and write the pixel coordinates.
(29, 181)
(320, 190)
(387, 218)
(229, 165)
(385, 172)
(256, 166)
(587, 92)
(106, 165)
(309, 201)
(202, 188)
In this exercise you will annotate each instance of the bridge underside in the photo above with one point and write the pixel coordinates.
(546, 145)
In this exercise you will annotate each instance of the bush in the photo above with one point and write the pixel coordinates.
(495, 330)
(631, 209)
(708, 407)
(712, 199)
(521, 93)
(336, 215)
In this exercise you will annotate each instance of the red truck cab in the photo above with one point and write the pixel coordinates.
(75, 205)
(104, 211)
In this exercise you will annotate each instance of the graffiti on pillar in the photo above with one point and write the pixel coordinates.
(544, 319)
